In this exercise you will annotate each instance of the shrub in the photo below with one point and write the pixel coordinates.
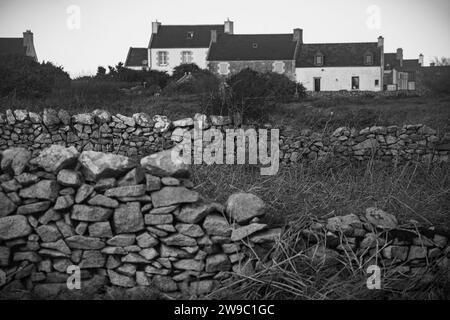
(182, 69)
(436, 79)
(27, 78)
(250, 85)
(200, 82)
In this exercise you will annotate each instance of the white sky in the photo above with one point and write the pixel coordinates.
(109, 28)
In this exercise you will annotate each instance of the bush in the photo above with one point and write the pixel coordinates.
(182, 69)
(436, 79)
(26, 78)
(250, 85)
(200, 82)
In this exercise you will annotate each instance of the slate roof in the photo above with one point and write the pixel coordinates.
(136, 57)
(244, 47)
(175, 36)
(390, 61)
(12, 46)
(338, 54)
(411, 64)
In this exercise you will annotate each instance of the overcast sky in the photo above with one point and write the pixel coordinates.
(106, 29)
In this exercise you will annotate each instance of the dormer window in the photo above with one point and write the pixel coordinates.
(318, 59)
(190, 35)
(368, 59)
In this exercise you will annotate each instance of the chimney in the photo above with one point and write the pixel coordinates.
(229, 26)
(28, 42)
(400, 56)
(213, 36)
(155, 27)
(421, 60)
(298, 35)
(380, 41)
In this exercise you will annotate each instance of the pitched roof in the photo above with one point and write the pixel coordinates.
(137, 57)
(244, 47)
(338, 54)
(12, 46)
(175, 36)
(391, 61)
(411, 64)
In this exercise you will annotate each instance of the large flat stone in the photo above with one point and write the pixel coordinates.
(56, 157)
(128, 218)
(243, 207)
(44, 189)
(168, 196)
(90, 213)
(127, 191)
(98, 165)
(166, 163)
(15, 160)
(86, 243)
(12, 227)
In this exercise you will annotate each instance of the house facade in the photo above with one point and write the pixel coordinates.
(172, 45)
(230, 54)
(19, 46)
(341, 66)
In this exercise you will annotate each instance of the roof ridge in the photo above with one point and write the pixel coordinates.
(374, 42)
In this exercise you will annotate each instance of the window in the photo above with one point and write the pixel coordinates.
(318, 59)
(186, 57)
(355, 83)
(163, 58)
(377, 83)
(224, 68)
(278, 67)
(255, 45)
(368, 59)
(190, 35)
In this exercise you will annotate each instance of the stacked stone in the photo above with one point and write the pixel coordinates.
(98, 131)
(141, 134)
(377, 239)
(129, 224)
(392, 144)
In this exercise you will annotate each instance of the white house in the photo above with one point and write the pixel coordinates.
(172, 45)
(341, 66)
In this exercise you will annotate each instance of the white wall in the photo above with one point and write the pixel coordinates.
(340, 78)
(198, 55)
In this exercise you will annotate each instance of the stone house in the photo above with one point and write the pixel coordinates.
(19, 46)
(230, 53)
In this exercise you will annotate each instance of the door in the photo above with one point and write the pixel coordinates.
(316, 84)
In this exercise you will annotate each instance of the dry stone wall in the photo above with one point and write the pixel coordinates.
(130, 225)
(116, 220)
(141, 134)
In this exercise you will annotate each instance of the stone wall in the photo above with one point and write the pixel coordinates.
(131, 225)
(127, 224)
(142, 134)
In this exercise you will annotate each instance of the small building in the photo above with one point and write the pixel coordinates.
(231, 53)
(399, 73)
(341, 66)
(19, 46)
